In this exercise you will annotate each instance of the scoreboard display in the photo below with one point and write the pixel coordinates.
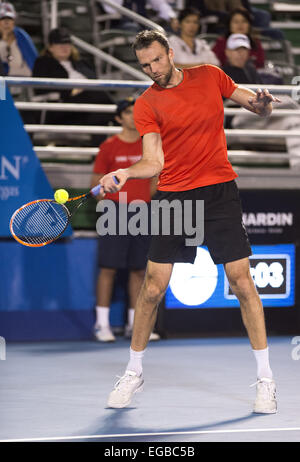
(205, 285)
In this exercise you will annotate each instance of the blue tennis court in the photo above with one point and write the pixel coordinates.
(196, 390)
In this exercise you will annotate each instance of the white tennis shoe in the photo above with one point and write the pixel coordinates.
(265, 402)
(104, 334)
(124, 389)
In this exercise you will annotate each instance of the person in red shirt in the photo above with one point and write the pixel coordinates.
(180, 118)
(119, 251)
(240, 22)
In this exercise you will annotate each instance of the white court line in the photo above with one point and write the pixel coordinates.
(126, 435)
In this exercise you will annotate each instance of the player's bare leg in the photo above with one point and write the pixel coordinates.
(154, 286)
(135, 281)
(241, 282)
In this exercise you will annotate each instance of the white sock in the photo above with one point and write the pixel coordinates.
(102, 316)
(135, 361)
(262, 361)
(130, 318)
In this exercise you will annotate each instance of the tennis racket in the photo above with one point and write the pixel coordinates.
(42, 221)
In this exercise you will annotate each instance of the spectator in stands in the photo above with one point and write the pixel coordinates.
(238, 65)
(188, 50)
(219, 8)
(61, 60)
(222, 8)
(17, 51)
(240, 22)
(121, 251)
(262, 20)
(241, 70)
(163, 9)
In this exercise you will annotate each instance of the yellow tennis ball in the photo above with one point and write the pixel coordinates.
(61, 196)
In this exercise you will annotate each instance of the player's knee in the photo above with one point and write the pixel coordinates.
(153, 291)
(241, 282)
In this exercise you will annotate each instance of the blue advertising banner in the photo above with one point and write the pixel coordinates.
(271, 216)
(205, 285)
(50, 293)
(22, 178)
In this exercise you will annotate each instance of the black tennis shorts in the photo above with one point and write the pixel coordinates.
(124, 251)
(224, 232)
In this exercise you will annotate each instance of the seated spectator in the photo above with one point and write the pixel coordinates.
(17, 51)
(241, 70)
(61, 60)
(188, 50)
(219, 8)
(238, 65)
(262, 20)
(240, 22)
(222, 8)
(162, 8)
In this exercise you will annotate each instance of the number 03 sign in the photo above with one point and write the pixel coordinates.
(271, 274)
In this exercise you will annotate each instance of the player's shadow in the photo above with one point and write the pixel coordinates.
(116, 423)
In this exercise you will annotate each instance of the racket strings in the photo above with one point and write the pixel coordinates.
(40, 222)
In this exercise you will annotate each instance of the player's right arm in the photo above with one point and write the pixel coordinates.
(149, 166)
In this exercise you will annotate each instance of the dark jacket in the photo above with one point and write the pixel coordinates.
(247, 74)
(47, 66)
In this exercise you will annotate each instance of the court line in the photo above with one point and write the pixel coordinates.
(133, 435)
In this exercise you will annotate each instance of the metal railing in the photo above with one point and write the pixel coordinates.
(106, 57)
(132, 15)
(110, 108)
(87, 84)
(99, 84)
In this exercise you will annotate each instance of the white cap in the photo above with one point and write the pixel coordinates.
(235, 41)
(7, 10)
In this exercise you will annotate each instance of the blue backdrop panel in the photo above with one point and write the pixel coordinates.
(49, 293)
(204, 285)
(22, 178)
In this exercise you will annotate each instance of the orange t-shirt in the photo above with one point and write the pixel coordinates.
(189, 118)
(114, 154)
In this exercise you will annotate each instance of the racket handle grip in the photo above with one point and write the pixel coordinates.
(96, 190)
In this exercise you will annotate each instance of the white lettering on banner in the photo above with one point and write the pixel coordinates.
(271, 274)
(7, 166)
(268, 219)
(8, 191)
(264, 275)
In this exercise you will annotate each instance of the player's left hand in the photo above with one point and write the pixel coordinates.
(262, 99)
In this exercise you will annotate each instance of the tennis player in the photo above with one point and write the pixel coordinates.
(180, 118)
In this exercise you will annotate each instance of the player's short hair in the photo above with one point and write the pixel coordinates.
(145, 38)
